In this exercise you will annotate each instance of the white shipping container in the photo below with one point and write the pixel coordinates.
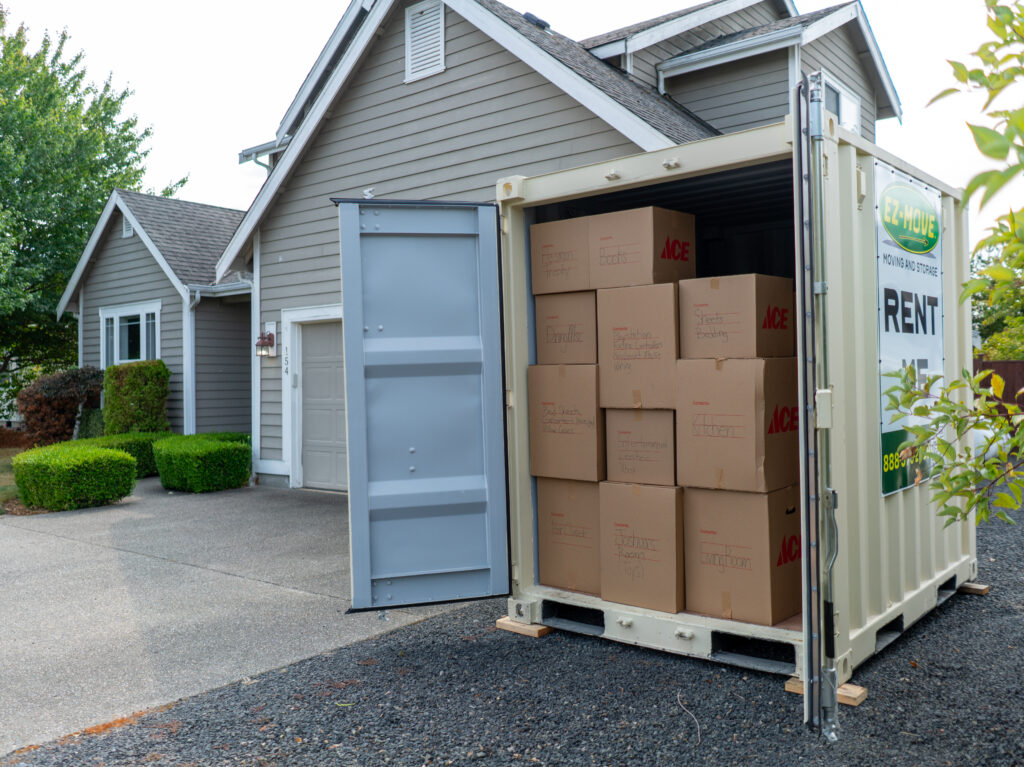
(766, 200)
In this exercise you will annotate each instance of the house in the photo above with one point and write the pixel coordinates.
(144, 288)
(437, 99)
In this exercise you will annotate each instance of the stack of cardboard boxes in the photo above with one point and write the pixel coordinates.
(619, 425)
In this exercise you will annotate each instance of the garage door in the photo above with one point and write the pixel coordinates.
(324, 463)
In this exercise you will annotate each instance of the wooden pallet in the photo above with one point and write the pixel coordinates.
(526, 629)
(978, 589)
(848, 694)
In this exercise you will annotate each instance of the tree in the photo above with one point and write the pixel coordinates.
(989, 480)
(64, 146)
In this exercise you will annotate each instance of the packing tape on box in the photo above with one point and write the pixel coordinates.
(636, 489)
(638, 399)
(638, 415)
(719, 363)
(727, 604)
(715, 283)
(561, 371)
(720, 480)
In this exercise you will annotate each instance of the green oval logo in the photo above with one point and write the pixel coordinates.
(909, 218)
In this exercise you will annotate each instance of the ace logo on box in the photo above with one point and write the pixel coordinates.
(784, 419)
(790, 551)
(675, 250)
(776, 318)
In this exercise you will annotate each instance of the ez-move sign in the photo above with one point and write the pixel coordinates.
(908, 226)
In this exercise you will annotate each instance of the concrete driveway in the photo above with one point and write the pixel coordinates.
(113, 610)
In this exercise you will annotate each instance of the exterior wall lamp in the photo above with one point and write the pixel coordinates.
(266, 345)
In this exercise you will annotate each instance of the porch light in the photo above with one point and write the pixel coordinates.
(265, 344)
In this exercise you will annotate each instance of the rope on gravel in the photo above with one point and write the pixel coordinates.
(679, 700)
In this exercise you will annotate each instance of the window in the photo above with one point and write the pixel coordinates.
(841, 102)
(130, 332)
(126, 227)
(424, 39)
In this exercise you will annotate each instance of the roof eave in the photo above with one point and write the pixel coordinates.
(723, 54)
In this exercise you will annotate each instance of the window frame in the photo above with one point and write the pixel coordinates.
(411, 11)
(846, 98)
(115, 313)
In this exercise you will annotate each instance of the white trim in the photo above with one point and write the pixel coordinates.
(795, 77)
(255, 369)
(266, 466)
(81, 327)
(847, 100)
(613, 113)
(319, 67)
(883, 71)
(653, 35)
(831, 22)
(224, 289)
(188, 365)
(723, 54)
(118, 203)
(292, 321)
(115, 312)
(410, 11)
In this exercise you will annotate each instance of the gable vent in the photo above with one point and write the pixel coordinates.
(424, 39)
(126, 227)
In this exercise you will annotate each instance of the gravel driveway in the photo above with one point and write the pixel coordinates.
(452, 690)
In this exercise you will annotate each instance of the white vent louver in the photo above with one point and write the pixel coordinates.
(424, 39)
(126, 227)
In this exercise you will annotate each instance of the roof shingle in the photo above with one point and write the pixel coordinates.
(190, 236)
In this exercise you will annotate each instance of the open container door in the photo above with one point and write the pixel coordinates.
(423, 382)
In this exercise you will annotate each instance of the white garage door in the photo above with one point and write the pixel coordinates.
(324, 463)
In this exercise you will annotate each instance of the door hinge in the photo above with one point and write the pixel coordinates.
(820, 288)
(295, 380)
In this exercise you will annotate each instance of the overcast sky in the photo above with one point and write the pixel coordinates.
(213, 77)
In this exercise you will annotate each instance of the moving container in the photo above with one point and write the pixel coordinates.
(439, 336)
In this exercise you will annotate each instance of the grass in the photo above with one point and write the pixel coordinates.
(8, 490)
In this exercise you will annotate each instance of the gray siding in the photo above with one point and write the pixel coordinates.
(645, 61)
(739, 95)
(224, 352)
(451, 136)
(837, 55)
(123, 271)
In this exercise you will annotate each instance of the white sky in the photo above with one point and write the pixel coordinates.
(214, 77)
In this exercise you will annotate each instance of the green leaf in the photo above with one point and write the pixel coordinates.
(989, 142)
(1005, 501)
(998, 384)
(999, 273)
(942, 95)
(959, 71)
(997, 183)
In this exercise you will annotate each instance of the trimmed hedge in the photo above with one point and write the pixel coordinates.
(135, 397)
(137, 444)
(229, 436)
(199, 464)
(73, 476)
(91, 424)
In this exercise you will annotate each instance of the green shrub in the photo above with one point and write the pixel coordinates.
(199, 464)
(135, 397)
(91, 424)
(137, 444)
(229, 436)
(73, 476)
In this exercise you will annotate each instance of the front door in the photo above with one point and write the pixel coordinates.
(424, 389)
(324, 454)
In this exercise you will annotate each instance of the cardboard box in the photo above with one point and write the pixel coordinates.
(566, 326)
(643, 246)
(559, 256)
(746, 315)
(641, 446)
(568, 522)
(743, 554)
(566, 422)
(637, 346)
(642, 546)
(737, 424)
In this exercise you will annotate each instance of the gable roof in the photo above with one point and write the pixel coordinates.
(646, 33)
(642, 115)
(185, 238)
(799, 30)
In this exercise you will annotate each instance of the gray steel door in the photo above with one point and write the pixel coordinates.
(324, 457)
(424, 390)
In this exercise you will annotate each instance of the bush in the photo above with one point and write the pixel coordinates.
(49, 405)
(229, 436)
(199, 464)
(91, 423)
(135, 397)
(73, 476)
(139, 445)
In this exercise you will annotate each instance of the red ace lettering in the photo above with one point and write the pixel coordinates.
(790, 551)
(784, 419)
(675, 250)
(776, 318)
